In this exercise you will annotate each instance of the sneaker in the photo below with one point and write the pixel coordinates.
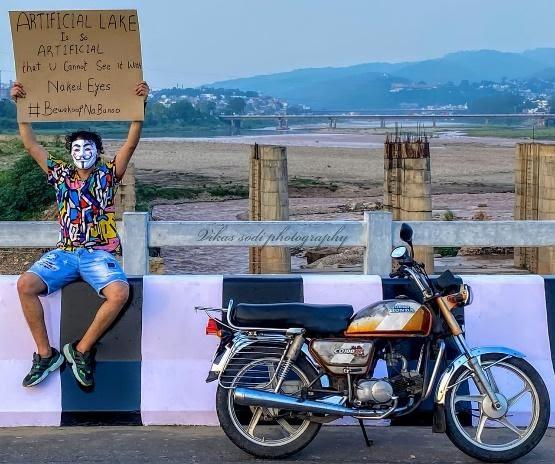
(42, 367)
(81, 364)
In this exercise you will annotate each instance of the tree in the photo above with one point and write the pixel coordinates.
(183, 111)
(501, 103)
(7, 109)
(207, 107)
(156, 114)
(236, 105)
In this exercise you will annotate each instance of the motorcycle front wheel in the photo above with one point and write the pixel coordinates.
(484, 433)
(267, 432)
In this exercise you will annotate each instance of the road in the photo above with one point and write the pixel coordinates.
(125, 445)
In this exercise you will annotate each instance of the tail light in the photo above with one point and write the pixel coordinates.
(212, 328)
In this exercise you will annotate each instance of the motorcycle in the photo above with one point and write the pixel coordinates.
(285, 369)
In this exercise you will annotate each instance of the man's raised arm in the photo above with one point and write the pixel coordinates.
(126, 151)
(36, 150)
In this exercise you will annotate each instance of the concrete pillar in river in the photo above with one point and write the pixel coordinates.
(268, 201)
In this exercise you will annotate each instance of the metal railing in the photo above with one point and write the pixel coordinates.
(377, 233)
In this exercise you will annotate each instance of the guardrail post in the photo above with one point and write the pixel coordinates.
(377, 255)
(135, 244)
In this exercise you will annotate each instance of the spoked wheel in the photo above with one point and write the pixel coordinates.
(267, 432)
(507, 433)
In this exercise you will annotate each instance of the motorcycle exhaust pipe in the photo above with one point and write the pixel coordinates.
(251, 397)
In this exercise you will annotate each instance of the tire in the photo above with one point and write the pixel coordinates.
(483, 452)
(259, 450)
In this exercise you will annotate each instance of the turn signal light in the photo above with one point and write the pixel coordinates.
(212, 328)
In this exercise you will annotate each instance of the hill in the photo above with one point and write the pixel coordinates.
(371, 85)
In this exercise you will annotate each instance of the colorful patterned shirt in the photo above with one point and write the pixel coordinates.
(87, 214)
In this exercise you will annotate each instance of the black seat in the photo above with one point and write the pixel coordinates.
(316, 319)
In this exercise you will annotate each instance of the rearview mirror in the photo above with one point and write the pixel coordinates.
(399, 252)
(406, 233)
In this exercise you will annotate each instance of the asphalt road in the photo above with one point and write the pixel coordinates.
(209, 445)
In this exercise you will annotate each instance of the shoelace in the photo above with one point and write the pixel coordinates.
(83, 361)
(38, 363)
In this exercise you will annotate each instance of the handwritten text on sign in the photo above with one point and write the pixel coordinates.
(78, 65)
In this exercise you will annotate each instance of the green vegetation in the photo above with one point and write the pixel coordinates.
(447, 251)
(448, 215)
(539, 133)
(147, 193)
(24, 194)
(303, 182)
(159, 120)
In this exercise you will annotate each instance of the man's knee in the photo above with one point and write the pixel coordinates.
(117, 293)
(30, 284)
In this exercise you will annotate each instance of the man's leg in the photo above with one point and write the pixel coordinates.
(29, 287)
(102, 272)
(116, 295)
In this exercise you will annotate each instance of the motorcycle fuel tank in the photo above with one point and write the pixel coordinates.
(391, 318)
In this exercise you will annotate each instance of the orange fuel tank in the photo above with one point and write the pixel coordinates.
(391, 318)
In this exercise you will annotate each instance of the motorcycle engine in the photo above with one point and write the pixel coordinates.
(373, 391)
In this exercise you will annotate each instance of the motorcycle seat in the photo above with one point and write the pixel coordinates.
(316, 319)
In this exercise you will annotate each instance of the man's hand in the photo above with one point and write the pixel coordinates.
(142, 89)
(17, 91)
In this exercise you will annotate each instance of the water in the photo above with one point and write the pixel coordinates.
(301, 128)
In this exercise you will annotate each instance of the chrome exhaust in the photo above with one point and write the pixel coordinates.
(252, 397)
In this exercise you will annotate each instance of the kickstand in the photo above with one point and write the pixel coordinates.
(369, 442)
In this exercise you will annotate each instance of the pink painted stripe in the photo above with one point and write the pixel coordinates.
(511, 311)
(176, 353)
(40, 405)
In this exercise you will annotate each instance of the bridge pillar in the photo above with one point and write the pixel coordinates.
(282, 124)
(268, 201)
(235, 127)
(407, 186)
(534, 200)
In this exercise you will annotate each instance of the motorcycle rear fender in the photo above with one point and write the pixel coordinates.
(445, 379)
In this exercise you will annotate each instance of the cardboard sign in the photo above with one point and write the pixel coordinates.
(78, 65)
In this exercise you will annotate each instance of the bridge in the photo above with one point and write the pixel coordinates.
(422, 115)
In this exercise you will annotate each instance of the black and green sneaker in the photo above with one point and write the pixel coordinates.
(42, 367)
(81, 364)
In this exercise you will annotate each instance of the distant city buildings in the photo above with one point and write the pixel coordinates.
(220, 101)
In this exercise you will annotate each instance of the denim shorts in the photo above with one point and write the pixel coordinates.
(98, 268)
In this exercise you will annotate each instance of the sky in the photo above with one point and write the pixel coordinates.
(195, 42)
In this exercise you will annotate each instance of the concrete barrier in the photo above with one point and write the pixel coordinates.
(18, 405)
(152, 364)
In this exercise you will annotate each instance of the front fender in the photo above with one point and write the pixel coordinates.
(462, 360)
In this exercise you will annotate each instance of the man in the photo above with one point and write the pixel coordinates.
(88, 242)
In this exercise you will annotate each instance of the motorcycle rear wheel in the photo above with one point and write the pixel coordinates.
(237, 421)
(481, 444)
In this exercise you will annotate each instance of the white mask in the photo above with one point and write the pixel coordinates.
(84, 153)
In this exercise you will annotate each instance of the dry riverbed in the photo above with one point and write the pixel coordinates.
(332, 176)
